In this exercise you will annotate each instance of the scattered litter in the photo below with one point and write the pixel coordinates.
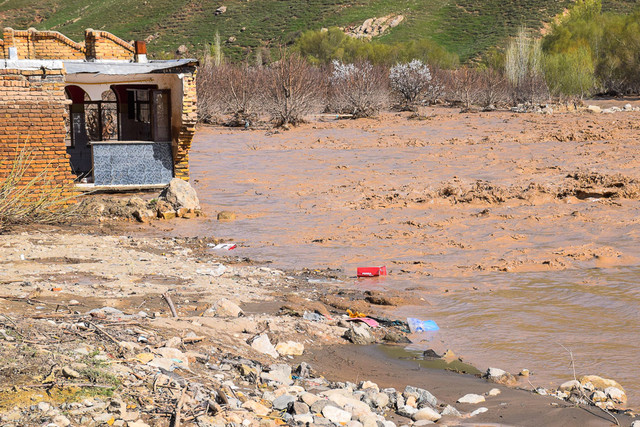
(417, 325)
(216, 271)
(223, 246)
(355, 314)
(314, 317)
(143, 339)
(22, 257)
(367, 320)
(372, 271)
(56, 289)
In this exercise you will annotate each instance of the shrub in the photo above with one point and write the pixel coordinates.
(571, 74)
(27, 197)
(411, 82)
(323, 47)
(360, 89)
(292, 89)
(230, 90)
(524, 69)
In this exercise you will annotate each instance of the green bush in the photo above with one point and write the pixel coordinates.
(612, 40)
(322, 47)
(570, 74)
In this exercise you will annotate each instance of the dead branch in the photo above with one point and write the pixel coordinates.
(178, 409)
(172, 307)
(99, 329)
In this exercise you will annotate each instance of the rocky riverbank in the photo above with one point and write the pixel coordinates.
(98, 329)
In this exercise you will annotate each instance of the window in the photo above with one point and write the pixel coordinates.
(139, 105)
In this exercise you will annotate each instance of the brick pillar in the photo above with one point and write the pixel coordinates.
(187, 127)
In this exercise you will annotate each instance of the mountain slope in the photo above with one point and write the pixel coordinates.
(466, 27)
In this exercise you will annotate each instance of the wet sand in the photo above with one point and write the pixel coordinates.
(518, 231)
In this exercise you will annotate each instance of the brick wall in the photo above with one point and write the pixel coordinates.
(187, 128)
(34, 44)
(32, 108)
(103, 45)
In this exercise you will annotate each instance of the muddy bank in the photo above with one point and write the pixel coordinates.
(88, 338)
(519, 229)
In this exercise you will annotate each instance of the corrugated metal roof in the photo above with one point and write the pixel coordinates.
(120, 68)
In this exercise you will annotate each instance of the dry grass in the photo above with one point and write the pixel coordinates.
(26, 199)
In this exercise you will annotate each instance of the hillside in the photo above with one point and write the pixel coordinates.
(466, 27)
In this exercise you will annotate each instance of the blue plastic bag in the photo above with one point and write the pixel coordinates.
(417, 325)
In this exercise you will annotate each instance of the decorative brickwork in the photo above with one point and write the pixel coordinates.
(32, 108)
(103, 45)
(33, 44)
(187, 128)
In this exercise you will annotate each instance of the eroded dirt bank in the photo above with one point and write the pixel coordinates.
(89, 339)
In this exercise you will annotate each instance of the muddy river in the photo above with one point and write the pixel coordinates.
(517, 234)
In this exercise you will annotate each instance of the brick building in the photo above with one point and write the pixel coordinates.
(96, 113)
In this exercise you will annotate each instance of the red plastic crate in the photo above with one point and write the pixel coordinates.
(372, 271)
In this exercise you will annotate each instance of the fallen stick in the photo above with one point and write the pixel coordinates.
(172, 307)
(104, 333)
(178, 409)
(191, 340)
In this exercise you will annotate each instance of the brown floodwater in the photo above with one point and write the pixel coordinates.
(517, 234)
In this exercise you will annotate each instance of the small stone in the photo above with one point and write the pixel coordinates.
(305, 419)
(278, 373)
(226, 308)
(226, 216)
(44, 406)
(138, 423)
(423, 395)
(478, 411)
(524, 373)
(471, 398)
(570, 385)
(599, 396)
(423, 423)
(319, 405)
(407, 411)
(599, 382)
(451, 411)
(594, 109)
(309, 398)
(426, 413)
(615, 394)
(61, 421)
(290, 348)
(70, 373)
(369, 385)
(104, 418)
(494, 392)
(336, 415)
(499, 376)
(262, 344)
(380, 400)
(257, 408)
(359, 334)
(283, 402)
(298, 408)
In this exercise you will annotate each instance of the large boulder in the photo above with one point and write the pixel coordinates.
(180, 194)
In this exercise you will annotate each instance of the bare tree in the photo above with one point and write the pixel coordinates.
(360, 89)
(494, 88)
(465, 86)
(292, 89)
(229, 90)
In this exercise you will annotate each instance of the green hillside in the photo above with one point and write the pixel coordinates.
(465, 27)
